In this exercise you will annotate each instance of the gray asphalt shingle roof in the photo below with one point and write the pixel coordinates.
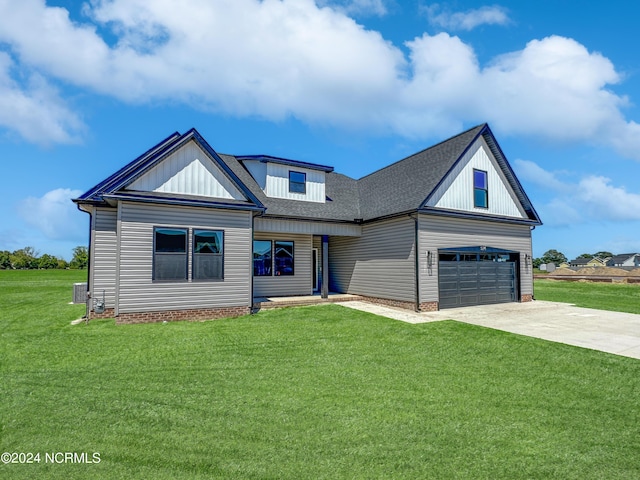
(404, 185)
(397, 188)
(341, 191)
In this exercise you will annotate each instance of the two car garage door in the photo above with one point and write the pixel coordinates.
(477, 276)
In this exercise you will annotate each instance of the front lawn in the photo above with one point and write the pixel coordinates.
(617, 297)
(313, 392)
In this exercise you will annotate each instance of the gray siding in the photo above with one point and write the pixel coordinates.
(103, 255)
(278, 225)
(444, 232)
(380, 263)
(283, 286)
(138, 293)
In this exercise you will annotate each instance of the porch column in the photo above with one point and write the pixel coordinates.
(325, 266)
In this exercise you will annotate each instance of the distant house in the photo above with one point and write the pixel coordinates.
(625, 260)
(183, 232)
(587, 262)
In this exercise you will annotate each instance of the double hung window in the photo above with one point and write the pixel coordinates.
(171, 254)
(208, 254)
(273, 258)
(297, 182)
(480, 189)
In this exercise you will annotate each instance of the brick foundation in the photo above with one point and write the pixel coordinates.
(526, 298)
(108, 313)
(424, 306)
(389, 303)
(429, 307)
(173, 315)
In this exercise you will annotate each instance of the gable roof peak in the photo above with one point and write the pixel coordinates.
(145, 162)
(477, 130)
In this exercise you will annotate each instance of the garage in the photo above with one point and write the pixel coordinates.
(477, 276)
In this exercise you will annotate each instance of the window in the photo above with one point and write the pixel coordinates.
(169, 253)
(283, 258)
(272, 258)
(208, 254)
(297, 182)
(480, 189)
(262, 258)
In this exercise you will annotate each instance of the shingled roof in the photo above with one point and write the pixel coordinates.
(401, 187)
(341, 191)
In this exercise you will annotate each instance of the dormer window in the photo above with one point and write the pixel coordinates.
(297, 182)
(480, 189)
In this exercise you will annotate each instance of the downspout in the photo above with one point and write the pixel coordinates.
(416, 258)
(87, 301)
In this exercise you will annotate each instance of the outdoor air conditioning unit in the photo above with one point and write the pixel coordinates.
(80, 292)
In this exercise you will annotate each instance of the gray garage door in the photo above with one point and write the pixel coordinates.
(464, 283)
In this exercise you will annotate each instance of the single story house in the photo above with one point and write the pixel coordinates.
(625, 260)
(183, 232)
(587, 262)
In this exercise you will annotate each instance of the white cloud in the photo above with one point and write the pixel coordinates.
(357, 7)
(487, 15)
(281, 58)
(35, 110)
(533, 173)
(592, 199)
(607, 201)
(55, 215)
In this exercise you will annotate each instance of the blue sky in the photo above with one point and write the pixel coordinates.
(85, 87)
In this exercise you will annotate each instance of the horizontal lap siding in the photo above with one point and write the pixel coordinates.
(380, 263)
(286, 285)
(103, 253)
(446, 232)
(137, 291)
(277, 225)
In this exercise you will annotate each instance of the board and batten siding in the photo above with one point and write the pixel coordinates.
(137, 292)
(300, 282)
(456, 191)
(104, 255)
(437, 232)
(188, 171)
(380, 263)
(277, 184)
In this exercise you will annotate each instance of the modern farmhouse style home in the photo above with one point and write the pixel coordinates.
(183, 232)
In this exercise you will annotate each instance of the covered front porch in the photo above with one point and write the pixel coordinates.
(291, 259)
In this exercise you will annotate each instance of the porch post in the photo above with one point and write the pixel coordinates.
(325, 266)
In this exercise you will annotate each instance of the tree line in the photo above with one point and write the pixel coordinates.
(554, 256)
(28, 258)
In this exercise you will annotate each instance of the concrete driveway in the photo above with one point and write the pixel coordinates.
(611, 332)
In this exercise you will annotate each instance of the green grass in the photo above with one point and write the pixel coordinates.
(617, 297)
(314, 392)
